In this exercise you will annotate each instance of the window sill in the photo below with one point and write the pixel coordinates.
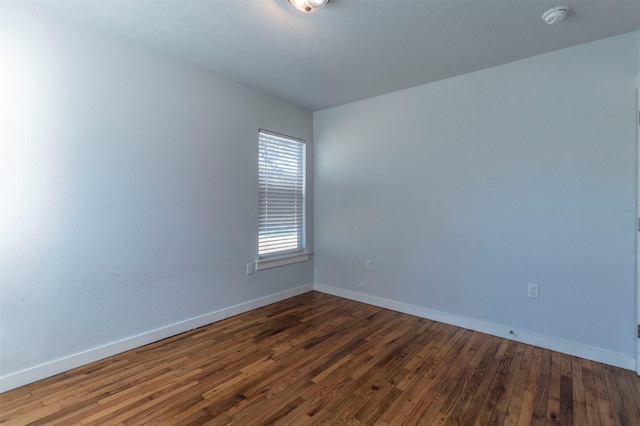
(272, 262)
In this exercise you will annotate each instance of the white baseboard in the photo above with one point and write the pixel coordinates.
(30, 375)
(571, 348)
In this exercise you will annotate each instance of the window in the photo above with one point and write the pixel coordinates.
(281, 187)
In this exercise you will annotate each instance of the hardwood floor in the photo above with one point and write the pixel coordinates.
(319, 359)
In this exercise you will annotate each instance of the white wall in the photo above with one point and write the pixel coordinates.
(464, 190)
(128, 191)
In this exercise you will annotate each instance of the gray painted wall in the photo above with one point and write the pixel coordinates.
(465, 190)
(128, 190)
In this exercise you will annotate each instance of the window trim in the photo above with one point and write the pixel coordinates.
(300, 254)
(281, 260)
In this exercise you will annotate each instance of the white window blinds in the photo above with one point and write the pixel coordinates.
(281, 184)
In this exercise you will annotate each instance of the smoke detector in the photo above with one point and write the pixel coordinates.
(555, 14)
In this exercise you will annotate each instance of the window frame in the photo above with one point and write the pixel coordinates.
(290, 255)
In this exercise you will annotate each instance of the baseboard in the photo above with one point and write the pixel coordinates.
(571, 348)
(30, 375)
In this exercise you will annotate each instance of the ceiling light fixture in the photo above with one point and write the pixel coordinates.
(308, 6)
(555, 14)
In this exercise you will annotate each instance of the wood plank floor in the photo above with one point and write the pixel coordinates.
(320, 359)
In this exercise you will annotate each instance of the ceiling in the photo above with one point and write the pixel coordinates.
(351, 49)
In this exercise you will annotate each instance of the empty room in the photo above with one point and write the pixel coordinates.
(358, 212)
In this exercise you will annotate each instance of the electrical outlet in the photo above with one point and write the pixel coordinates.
(250, 268)
(532, 291)
(367, 265)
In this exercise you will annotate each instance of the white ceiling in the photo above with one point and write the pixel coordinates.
(351, 49)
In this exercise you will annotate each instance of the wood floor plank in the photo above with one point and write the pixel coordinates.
(566, 400)
(541, 392)
(579, 404)
(591, 400)
(512, 415)
(488, 401)
(631, 405)
(501, 405)
(319, 359)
